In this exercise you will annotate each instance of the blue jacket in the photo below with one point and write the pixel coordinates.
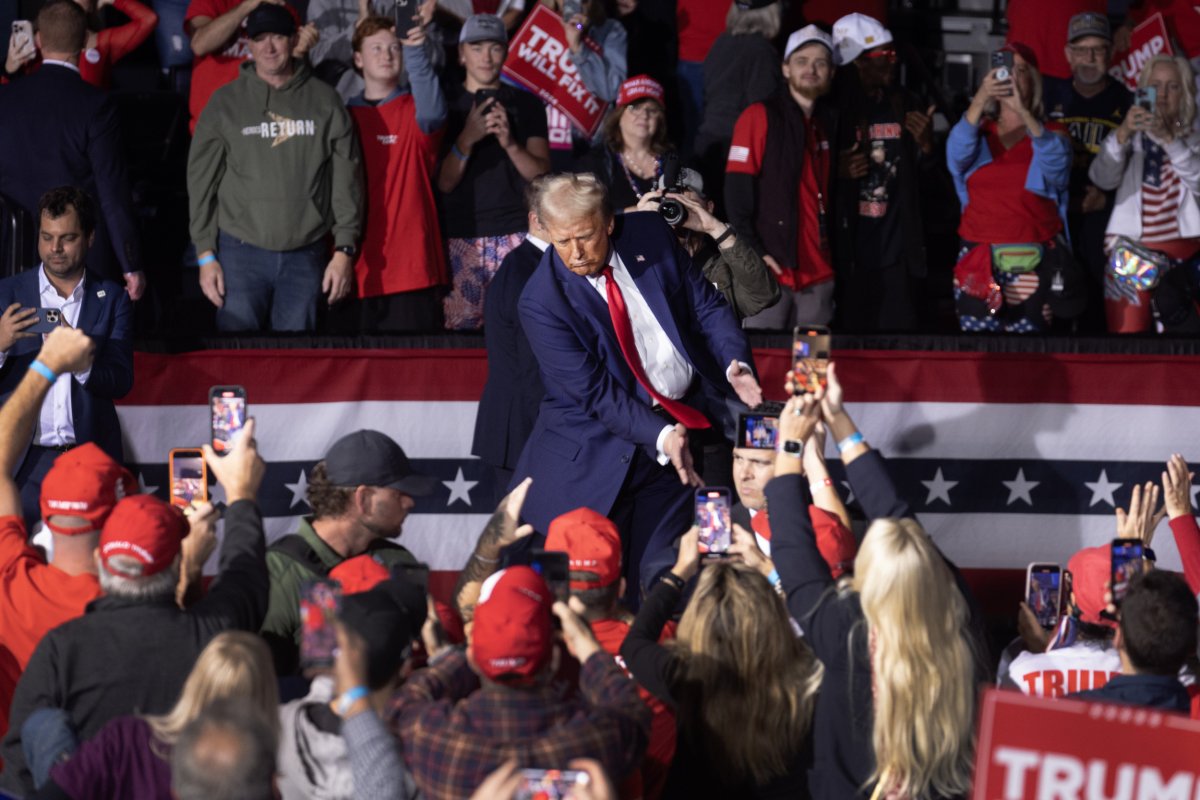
(1152, 691)
(595, 414)
(1049, 173)
(107, 317)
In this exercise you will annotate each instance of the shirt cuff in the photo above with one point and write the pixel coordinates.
(663, 458)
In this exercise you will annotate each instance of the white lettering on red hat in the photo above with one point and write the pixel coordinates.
(142, 553)
(67, 505)
(507, 663)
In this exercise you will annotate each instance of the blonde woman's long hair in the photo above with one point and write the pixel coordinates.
(1187, 105)
(922, 663)
(236, 665)
(748, 684)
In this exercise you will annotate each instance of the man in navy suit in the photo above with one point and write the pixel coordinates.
(79, 407)
(58, 130)
(509, 404)
(635, 350)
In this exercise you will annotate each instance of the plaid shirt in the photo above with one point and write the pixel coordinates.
(455, 733)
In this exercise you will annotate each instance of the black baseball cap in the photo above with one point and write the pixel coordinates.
(270, 18)
(371, 458)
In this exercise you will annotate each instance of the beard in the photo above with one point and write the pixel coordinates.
(813, 92)
(1089, 76)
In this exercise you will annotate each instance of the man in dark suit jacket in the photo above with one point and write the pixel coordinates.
(58, 130)
(509, 404)
(79, 407)
(603, 438)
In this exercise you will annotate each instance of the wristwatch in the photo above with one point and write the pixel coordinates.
(794, 448)
(349, 249)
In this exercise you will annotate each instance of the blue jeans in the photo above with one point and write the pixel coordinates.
(47, 739)
(266, 289)
(172, 42)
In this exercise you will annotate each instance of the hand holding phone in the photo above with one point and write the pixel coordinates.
(714, 521)
(21, 44)
(189, 477)
(758, 431)
(1127, 564)
(1043, 592)
(320, 604)
(46, 320)
(810, 359)
(227, 407)
(1002, 67)
(549, 784)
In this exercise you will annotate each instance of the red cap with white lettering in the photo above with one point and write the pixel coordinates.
(142, 537)
(86, 483)
(592, 544)
(511, 639)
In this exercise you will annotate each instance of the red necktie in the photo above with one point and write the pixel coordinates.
(685, 414)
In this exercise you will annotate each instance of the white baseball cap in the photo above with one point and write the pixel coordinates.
(854, 33)
(806, 35)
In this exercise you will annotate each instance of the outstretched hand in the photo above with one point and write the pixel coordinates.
(1144, 514)
(1177, 487)
(745, 384)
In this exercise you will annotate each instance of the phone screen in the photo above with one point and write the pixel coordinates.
(1042, 592)
(713, 520)
(320, 604)
(189, 478)
(555, 569)
(228, 405)
(1146, 97)
(1126, 565)
(758, 431)
(549, 784)
(810, 359)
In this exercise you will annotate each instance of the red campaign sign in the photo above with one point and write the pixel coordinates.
(1032, 747)
(1147, 40)
(539, 60)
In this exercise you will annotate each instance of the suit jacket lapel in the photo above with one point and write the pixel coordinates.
(89, 309)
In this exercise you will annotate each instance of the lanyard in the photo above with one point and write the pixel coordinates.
(629, 175)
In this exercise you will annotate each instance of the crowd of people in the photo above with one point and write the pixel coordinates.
(360, 168)
(815, 658)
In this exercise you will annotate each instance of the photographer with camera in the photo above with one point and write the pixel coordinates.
(726, 260)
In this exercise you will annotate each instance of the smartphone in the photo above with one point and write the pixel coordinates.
(487, 98)
(572, 8)
(189, 477)
(227, 405)
(320, 604)
(713, 520)
(407, 15)
(554, 567)
(1146, 97)
(549, 784)
(1043, 592)
(22, 34)
(758, 431)
(810, 359)
(1126, 565)
(47, 319)
(1002, 63)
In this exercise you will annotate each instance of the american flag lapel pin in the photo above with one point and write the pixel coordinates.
(100, 293)
(641, 258)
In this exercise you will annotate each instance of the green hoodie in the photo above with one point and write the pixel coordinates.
(275, 167)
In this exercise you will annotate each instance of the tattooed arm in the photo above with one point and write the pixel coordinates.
(500, 531)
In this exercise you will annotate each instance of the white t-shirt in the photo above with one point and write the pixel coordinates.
(1082, 666)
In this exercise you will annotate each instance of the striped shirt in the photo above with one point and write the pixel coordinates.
(1160, 195)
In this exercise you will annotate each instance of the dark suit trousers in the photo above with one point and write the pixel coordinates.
(33, 469)
(652, 511)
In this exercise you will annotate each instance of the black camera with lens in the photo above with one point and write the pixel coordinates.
(673, 211)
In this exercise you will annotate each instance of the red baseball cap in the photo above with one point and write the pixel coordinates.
(1091, 570)
(511, 639)
(592, 544)
(84, 482)
(640, 87)
(146, 531)
(1024, 51)
(359, 574)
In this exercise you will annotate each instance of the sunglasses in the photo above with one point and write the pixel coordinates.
(889, 55)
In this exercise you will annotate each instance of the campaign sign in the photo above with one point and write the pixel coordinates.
(1032, 747)
(539, 60)
(1145, 42)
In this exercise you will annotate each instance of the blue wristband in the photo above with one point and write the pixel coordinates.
(774, 578)
(850, 441)
(458, 153)
(349, 697)
(43, 370)
(208, 259)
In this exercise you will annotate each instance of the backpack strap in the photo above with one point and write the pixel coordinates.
(296, 548)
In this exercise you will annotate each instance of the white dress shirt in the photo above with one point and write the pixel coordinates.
(66, 64)
(536, 242)
(56, 423)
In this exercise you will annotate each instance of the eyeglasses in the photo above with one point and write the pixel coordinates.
(1099, 51)
(645, 109)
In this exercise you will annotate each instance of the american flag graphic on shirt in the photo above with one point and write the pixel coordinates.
(1160, 195)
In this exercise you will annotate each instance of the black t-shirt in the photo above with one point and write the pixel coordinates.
(877, 234)
(490, 198)
(1088, 120)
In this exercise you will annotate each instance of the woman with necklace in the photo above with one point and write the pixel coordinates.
(635, 140)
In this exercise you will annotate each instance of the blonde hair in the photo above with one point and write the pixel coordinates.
(571, 196)
(765, 21)
(235, 665)
(922, 664)
(1187, 106)
(748, 684)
